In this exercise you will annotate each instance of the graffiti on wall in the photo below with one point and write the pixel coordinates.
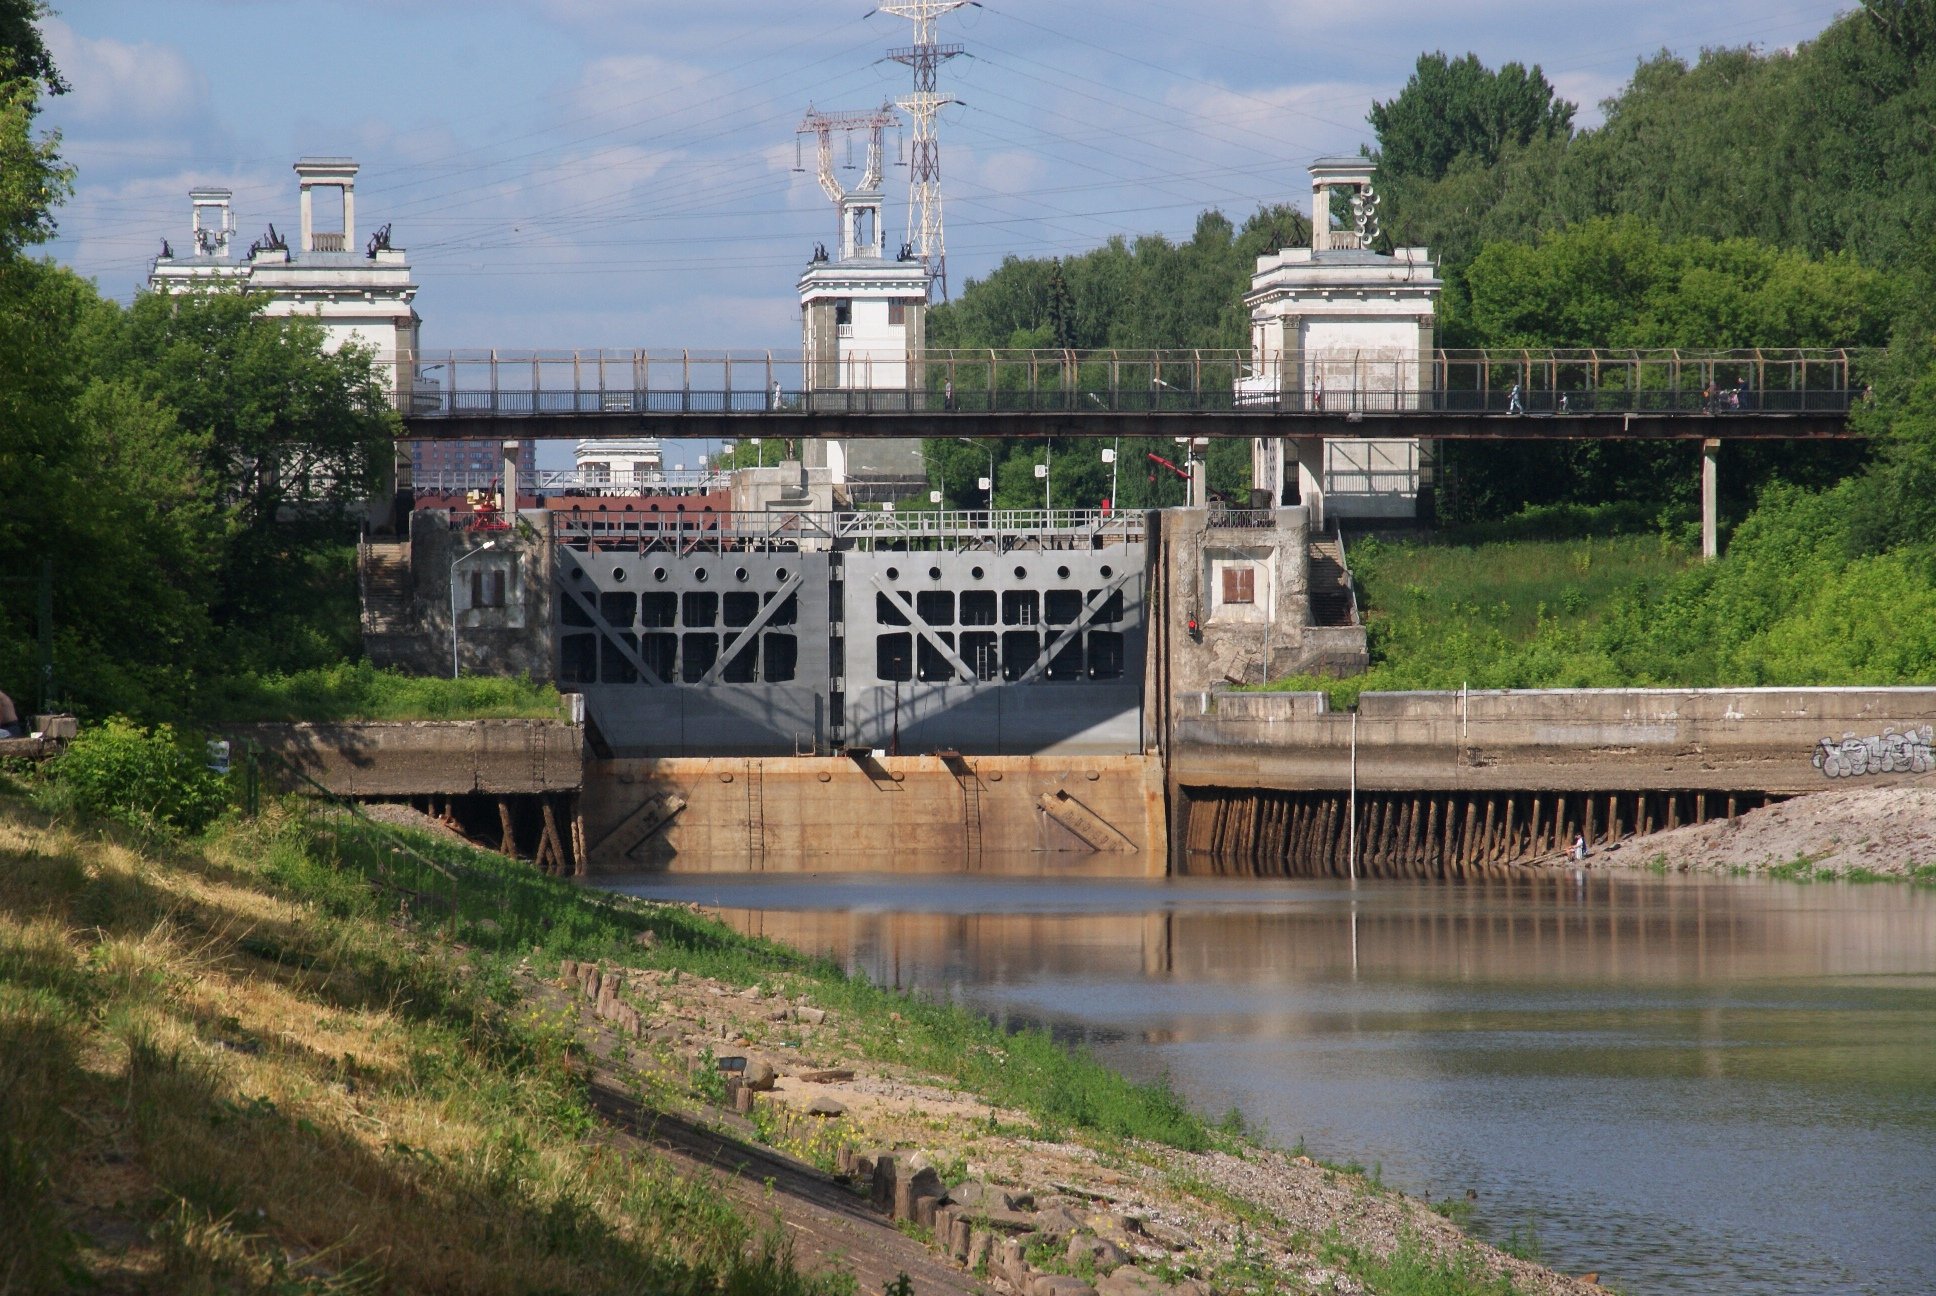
(1888, 752)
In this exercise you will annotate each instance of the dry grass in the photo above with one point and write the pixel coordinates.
(209, 1085)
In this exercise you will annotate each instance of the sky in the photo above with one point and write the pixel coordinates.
(622, 173)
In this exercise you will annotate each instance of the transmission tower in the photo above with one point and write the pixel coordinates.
(924, 165)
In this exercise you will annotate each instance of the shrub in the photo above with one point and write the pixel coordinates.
(147, 778)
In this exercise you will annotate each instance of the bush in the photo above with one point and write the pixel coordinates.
(146, 778)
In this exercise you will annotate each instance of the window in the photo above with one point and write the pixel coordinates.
(1020, 607)
(1240, 584)
(894, 657)
(578, 659)
(614, 663)
(844, 316)
(741, 607)
(487, 588)
(701, 609)
(697, 653)
(1111, 610)
(1020, 648)
(617, 609)
(789, 611)
(978, 650)
(743, 665)
(897, 313)
(1105, 654)
(660, 652)
(1061, 607)
(1067, 664)
(658, 610)
(936, 607)
(888, 612)
(782, 654)
(978, 607)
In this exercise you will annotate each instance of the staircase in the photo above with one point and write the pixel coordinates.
(389, 599)
(1330, 584)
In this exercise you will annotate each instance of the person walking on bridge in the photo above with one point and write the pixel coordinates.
(1512, 401)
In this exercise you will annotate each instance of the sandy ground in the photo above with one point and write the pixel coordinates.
(1889, 830)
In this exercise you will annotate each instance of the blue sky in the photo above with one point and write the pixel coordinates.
(619, 173)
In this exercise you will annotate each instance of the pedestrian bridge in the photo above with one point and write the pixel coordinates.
(1733, 395)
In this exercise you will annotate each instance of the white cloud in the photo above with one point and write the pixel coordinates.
(118, 84)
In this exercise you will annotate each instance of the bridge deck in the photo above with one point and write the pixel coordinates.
(1447, 395)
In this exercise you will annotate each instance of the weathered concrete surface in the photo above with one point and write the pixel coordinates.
(419, 758)
(1554, 739)
(735, 814)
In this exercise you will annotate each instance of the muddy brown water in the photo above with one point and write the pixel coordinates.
(1687, 1085)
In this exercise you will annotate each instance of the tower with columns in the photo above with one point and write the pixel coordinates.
(1342, 327)
(863, 319)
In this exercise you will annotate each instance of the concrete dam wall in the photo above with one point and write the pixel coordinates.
(1470, 784)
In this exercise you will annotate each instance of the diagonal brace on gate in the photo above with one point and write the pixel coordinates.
(746, 636)
(926, 631)
(606, 632)
(1081, 623)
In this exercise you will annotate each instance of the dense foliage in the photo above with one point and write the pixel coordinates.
(183, 473)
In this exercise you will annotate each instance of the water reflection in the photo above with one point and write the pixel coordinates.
(1689, 1085)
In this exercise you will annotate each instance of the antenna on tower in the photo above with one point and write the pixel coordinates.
(924, 174)
(822, 125)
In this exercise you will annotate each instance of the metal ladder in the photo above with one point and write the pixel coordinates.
(755, 814)
(971, 815)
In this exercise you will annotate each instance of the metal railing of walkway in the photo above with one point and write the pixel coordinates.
(1032, 393)
(1003, 529)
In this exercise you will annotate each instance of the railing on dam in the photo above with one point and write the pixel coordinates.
(1001, 530)
(755, 386)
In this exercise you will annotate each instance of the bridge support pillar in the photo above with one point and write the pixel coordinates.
(1199, 484)
(1710, 498)
(509, 472)
(1310, 478)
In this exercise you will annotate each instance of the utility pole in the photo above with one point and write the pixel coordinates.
(924, 166)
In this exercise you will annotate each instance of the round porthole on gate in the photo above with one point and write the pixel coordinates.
(934, 573)
(995, 776)
(1021, 573)
(725, 778)
(894, 573)
(779, 573)
(701, 575)
(976, 572)
(658, 573)
(739, 574)
(1062, 573)
(824, 777)
(1092, 776)
(899, 777)
(1107, 571)
(618, 575)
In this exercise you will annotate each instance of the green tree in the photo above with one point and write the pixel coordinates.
(1454, 108)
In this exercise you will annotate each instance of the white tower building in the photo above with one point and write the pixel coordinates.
(358, 294)
(1340, 327)
(863, 320)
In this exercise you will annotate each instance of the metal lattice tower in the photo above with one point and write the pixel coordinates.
(924, 165)
(822, 126)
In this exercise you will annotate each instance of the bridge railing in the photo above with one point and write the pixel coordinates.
(1006, 528)
(942, 382)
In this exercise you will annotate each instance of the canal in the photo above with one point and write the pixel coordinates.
(1686, 1085)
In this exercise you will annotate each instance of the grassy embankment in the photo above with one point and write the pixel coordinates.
(234, 1062)
(298, 1053)
(1580, 598)
(1515, 605)
(359, 691)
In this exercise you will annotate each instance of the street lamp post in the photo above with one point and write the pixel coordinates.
(991, 471)
(488, 544)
